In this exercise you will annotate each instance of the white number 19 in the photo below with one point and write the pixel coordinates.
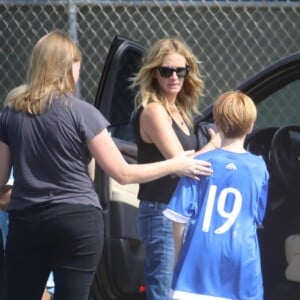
(230, 216)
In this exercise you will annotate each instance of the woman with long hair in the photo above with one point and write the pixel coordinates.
(169, 87)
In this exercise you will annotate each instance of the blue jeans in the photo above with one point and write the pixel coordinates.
(156, 233)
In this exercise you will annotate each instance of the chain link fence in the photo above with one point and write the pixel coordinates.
(232, 39)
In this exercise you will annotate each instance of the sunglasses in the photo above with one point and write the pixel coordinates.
(167, 72)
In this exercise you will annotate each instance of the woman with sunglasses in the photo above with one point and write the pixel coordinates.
(169, 86)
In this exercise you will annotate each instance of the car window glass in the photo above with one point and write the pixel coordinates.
(123, 96)
(282, 108)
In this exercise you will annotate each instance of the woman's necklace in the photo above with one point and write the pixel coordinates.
(181, 119)
(178, 117)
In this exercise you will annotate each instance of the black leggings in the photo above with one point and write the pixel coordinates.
(67, 239)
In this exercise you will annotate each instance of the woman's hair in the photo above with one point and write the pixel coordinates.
(234, 113)
(188, 98)
(49, 73)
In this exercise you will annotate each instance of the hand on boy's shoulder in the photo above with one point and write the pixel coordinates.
(5, 193)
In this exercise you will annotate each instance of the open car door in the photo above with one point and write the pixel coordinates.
(120, 274)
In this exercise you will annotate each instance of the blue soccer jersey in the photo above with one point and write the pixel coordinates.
(220, 256)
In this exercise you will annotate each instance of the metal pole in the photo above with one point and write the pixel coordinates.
(72, 12)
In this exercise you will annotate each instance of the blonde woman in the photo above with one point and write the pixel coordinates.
(169, 85)
(49, 136)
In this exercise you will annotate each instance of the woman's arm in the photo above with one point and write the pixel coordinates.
(213, 143)
(156, 127)
(5, 194)
(91, 169)
(5, 163)
(110, 159)
(178, 232)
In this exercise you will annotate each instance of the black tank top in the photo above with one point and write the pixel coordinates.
(162, 189)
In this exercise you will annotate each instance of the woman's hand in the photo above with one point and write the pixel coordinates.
(215, 139)
(214, 142)
(5, 193)
(193, 168)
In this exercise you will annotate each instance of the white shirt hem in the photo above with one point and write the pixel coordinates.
(181, 295)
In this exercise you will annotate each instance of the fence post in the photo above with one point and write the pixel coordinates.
(72, 13)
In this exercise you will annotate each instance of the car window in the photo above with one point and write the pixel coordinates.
(282, 108)
(123, 96)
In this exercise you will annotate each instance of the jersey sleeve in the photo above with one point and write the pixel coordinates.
(183, 202)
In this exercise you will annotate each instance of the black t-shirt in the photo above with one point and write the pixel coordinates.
(159, 190)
